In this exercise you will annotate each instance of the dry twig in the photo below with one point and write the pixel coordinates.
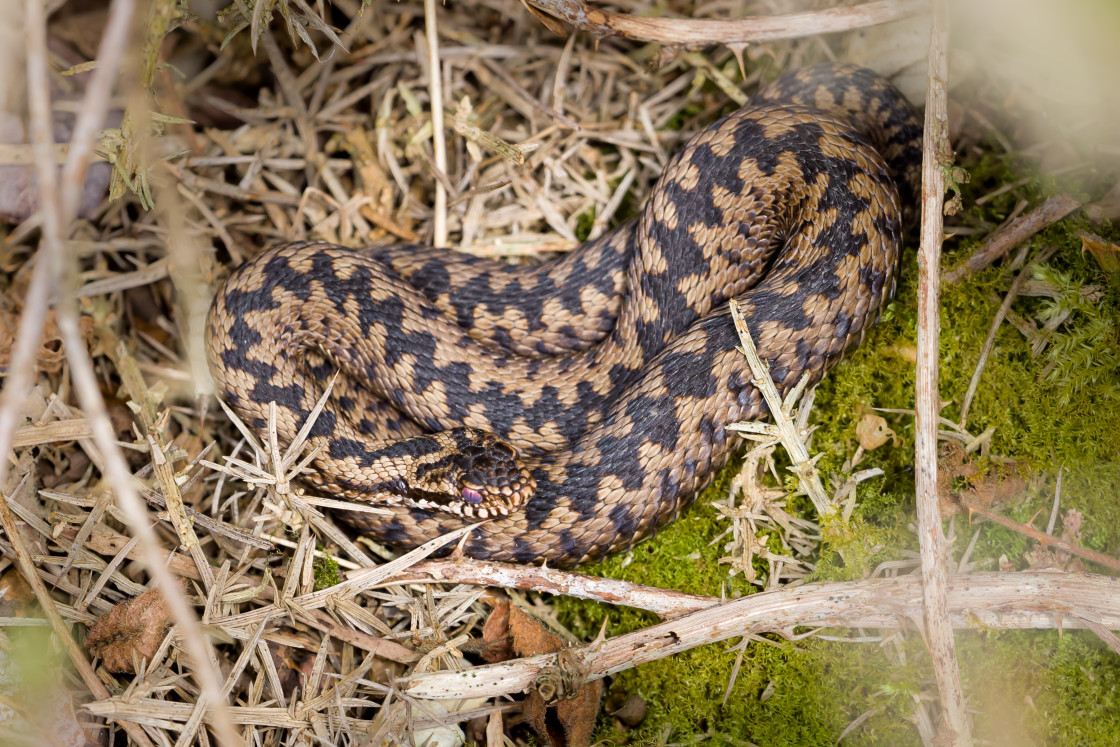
(990, 340)
(729, 31)
(57, 209)
(664, 602)
(936, 154)
(783, 427)
(1013, 234)
(439, 146)
(1044, 538)
(1003, 600)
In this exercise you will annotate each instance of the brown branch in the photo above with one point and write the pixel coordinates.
(936, 153)
(1013, 234)
(1040, 536)
(730, 31)
(996, 600)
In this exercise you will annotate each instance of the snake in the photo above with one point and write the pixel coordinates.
(569, 409)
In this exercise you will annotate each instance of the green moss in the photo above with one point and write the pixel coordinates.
(327, 572)
(771, 701)
(1078, 699)
(1054, 409)
(584, 223)
(677, 122)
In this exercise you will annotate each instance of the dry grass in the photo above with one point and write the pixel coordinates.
(548, 136)
(546, 140)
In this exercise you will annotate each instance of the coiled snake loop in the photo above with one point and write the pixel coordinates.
(601, 384)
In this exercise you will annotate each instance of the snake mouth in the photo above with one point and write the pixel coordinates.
(479, 499)
(501, 488)
(465, 510)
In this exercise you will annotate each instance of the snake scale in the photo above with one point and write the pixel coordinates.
(578, 405)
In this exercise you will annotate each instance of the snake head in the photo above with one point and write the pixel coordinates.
(475, 475)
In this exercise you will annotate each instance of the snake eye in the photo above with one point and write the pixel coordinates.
(470, 495)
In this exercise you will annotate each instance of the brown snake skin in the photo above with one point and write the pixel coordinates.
(613, 370)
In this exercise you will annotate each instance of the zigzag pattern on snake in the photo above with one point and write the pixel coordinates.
(612, 371)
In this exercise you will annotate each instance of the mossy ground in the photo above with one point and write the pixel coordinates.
(1025, 687)
(327, 572)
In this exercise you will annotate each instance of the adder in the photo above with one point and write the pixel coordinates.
(574, 407)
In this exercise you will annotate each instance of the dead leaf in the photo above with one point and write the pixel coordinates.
(633, 711)
(994, 489)
(958, 476)
(952, 464)
(575, 716)
(495, 634)
(872, 432)
(131, 629)
(529, 636)
(1043, 556)
(567, 717)
(51, 353)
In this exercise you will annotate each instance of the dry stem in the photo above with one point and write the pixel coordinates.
(783, 427)
(936, 153)
(664, 602)
(439, 146)
(729, 31)
(57, 211)
(1042, 537)
(995, 600)
(1013, 234)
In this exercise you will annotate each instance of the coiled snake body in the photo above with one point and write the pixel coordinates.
(597, 388)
